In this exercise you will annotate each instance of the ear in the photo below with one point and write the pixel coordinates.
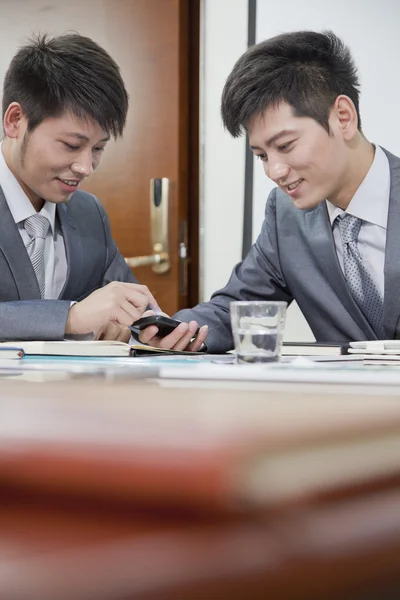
(345, 114)
(14, 121)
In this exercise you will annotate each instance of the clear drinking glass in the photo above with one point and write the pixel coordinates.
(257, 329)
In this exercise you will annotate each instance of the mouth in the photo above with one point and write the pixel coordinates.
(69, 185)
(291, 187)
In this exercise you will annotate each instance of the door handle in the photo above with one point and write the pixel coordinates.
(160, 260)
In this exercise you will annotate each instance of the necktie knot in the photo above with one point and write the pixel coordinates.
(349, 227)
(37, 226)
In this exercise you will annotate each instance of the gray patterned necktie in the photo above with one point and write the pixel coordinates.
(37, 227)
(359, 281)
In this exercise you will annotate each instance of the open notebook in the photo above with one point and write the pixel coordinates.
(87, 348)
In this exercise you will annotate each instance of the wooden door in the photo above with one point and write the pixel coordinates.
(155, 44)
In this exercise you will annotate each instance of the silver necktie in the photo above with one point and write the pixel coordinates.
(359, 281)
(37, 227)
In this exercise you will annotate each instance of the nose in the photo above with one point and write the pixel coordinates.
(277, 171)
(83, 166)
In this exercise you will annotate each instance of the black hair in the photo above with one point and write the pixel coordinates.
(68, 73)
(305, 69)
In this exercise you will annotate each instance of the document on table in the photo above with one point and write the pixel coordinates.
(299, 370)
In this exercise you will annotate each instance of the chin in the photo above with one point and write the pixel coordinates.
(58, 200)
(303, 204)
(306, 203)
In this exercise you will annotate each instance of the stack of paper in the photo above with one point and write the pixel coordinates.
(377, 352)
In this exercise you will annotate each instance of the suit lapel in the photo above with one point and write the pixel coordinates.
(73, 251)
(392, 254)
(322, 246)
(15, 253)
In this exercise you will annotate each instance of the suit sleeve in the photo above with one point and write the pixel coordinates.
(257, 277)
(33, 320)
(46, 319)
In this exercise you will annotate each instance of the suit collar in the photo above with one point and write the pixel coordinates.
(73, 251)
(322, 246)
(15, 253)
(392, 253)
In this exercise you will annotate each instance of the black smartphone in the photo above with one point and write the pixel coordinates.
(165, 324)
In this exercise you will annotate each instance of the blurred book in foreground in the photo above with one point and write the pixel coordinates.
(198, 448)
(343, 549)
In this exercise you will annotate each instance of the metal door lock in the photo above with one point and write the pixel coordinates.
(160, 261)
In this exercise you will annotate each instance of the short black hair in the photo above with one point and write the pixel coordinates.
(306, 69)
(69, 73)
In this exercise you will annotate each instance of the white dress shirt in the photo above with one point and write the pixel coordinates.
(54, 249)
(371, 204)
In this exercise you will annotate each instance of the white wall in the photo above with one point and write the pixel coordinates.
(370, 29)
(54, 18)
(224, 39)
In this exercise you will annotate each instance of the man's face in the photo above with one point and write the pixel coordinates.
(300, 156)
(52, 161)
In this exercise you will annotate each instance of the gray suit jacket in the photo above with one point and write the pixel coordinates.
(93, 261)
(294, 258)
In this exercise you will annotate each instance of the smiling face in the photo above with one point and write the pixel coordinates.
(51, 161)
(301, 157)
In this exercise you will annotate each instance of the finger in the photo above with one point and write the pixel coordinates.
(138, 300)
(169, 341)
(105, 332)
(113, 331)
(124, 335)
(185, 335)
(199, 340)
(144, 290)
(185, 340)
(126, 314)
(149, 336)
(99, 333)
(150, 313)
(134, 309)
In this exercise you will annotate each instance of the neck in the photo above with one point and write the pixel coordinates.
(11, 162)
(361, 157)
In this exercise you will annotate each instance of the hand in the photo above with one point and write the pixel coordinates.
(114, 332)
(179, 339)
(117, 303)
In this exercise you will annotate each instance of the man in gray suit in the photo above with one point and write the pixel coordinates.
(330, 236)
(60, 270)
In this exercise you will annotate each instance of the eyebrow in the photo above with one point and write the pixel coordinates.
(80, 136)
(273, 139)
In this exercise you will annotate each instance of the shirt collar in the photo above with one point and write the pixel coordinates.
(18, 202)
(371, 200)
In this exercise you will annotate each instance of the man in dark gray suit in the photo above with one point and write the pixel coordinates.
(60, 270)
(330, 239)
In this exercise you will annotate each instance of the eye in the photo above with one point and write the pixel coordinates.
(285, 147)
(71, 147)
(262, 157)
(100, 149)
